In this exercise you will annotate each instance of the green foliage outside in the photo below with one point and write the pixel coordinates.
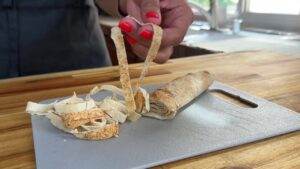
(201, 2)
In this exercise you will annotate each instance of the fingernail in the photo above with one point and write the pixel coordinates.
(131, 40)
(152, 14)
(146, 34)
(125, 26)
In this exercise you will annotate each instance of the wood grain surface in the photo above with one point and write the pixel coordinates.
(272, 76)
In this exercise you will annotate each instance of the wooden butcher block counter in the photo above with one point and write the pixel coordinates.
(272, 76)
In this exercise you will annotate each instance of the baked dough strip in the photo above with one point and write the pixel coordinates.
(118, 39)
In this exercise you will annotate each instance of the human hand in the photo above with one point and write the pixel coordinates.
(174, 16)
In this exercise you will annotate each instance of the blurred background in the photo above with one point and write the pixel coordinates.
(234, 26)
(280, 15)
(219, 26)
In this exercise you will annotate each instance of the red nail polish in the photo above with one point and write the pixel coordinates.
(152, 14)
(146, 34)
(131, 40)
(125, 26)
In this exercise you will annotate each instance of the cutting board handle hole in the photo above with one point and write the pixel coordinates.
(233, 99)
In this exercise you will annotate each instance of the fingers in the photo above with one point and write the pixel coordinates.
(146, 32)
(131, 40)
(170, 4)
(162, 56)
(140, 37)
(128, 25)
(140, 51)
(176, 23)
(176, 14)
(172, 37)
(146, 11)
(133, 9)
(150, 11)
(141, 34)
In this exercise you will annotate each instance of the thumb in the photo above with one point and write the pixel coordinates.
(150, 11)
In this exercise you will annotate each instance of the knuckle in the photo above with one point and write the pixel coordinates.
(138, 52)
(178, 39)
(190, 14)
(149, 3)
(163, 57)
(171, 50)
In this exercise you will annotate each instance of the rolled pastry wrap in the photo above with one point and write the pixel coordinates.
(166, 101)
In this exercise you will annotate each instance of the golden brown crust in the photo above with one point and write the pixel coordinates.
(139, 101)
(117, 37)
(74, 120)
(110, 130)
(167, 100)
(152, 52)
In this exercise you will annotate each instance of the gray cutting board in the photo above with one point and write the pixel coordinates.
(207, 124)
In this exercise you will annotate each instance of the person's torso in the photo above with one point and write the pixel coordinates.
(42, 36)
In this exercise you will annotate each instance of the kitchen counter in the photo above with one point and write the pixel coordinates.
(243, 41)
(272, 76)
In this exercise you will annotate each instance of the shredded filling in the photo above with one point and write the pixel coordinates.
(91, 119)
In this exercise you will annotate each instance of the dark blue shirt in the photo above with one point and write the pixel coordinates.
(42, 36)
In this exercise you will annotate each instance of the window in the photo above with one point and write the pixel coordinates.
(290, 7)
(227, 10)
(203, 3)
(283, 15)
